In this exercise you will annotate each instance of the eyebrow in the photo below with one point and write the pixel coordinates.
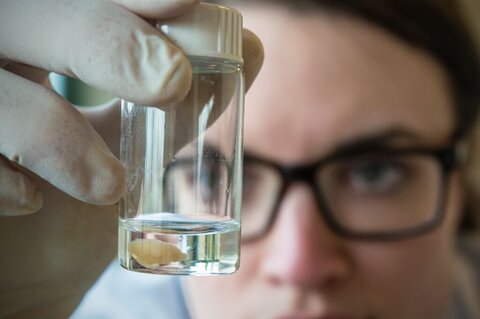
(377, 141)
(213, 152)
(381, 140)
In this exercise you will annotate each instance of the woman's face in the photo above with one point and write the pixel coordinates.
(330, 80)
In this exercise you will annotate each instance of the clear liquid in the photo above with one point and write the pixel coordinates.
(198, 246)
(151, 138)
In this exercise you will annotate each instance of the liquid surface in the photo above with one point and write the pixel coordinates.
(166, 243)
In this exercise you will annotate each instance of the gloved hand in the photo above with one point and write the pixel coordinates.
(51, 158)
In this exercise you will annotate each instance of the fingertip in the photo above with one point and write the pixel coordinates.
(253, 46)
(30, 198)
(253, 53)
(114, 184)
(107, 180)
(19, 195)
(29, 205)
(36, 202)
(22, 208)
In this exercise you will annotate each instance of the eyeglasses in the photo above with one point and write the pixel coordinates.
(367, 194)
(379, 194)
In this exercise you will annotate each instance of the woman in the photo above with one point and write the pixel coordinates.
(353, 194)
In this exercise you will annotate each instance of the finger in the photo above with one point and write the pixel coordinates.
(106, 120)
(44, 134)
(253, 56)
(157, 9)
(19, 194)
(98, 42)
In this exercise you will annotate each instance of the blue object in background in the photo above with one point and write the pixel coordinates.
(77, 92)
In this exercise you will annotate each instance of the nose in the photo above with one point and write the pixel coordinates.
(300, 249)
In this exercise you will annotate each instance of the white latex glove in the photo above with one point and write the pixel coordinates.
(103, 45)
(51, 158)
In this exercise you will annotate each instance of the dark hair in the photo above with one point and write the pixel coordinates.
(435, 26)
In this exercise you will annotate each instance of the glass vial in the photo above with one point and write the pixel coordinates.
(180, 214)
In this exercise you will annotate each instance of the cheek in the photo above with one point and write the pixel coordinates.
(402, 262)
(414, 274)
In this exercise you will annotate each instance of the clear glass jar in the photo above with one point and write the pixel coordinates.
(181, 210)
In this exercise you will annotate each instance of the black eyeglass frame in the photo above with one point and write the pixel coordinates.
(447, 158)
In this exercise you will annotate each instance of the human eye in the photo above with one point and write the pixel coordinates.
(375, 174)
(213, 175)
(205, 178)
